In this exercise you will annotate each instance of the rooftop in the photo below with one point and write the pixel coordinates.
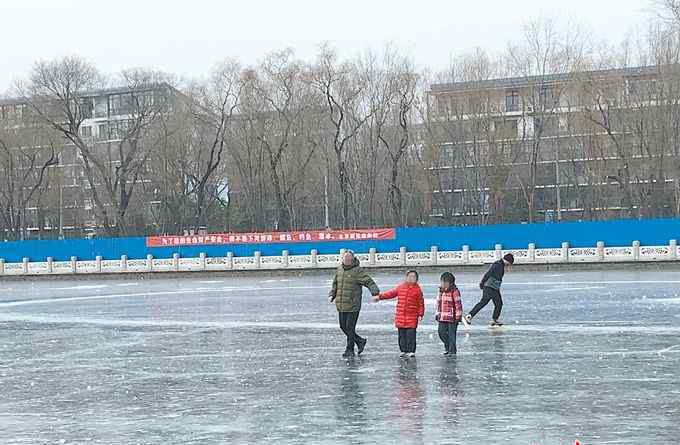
(514, 82)
(98, 92)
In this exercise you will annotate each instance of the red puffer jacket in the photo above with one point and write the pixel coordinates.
(449, 305)
(410, 304)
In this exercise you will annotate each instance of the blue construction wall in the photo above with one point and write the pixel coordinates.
(510, 236)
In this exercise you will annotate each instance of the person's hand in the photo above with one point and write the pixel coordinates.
(420, 318)
(481, 286)
(436, 317)
(331, 298)
(376, 298)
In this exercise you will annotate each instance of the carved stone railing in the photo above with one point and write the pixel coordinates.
(565, 254)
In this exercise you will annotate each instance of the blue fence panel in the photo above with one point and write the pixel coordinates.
(517, 236)
(510, 236)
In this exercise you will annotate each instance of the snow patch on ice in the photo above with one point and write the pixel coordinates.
(563, 289)
(151, 294)
(669, 349)
(84, 287)
(661, 300)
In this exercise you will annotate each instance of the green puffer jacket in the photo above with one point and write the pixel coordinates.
(347, 285)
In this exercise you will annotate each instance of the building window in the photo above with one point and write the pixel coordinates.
(12, 112)
(103, 132)
(512, 100)
(474, 104)
(633, 86)
(652, 88)
(146, 99)
(506, 129)
(563, 123)
(443, 105)
(114, 105)
(546, 97)
(86, 106)
(120, 104)
(643, 88)
(448, 155)
(126, 104)
(27, 113)
(113, 131)
(546, 126)
(100, 106)
(86, 131)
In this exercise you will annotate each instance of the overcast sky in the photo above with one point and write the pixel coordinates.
(188, 37)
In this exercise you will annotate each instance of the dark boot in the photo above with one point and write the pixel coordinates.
(348, 353)
(361, 344)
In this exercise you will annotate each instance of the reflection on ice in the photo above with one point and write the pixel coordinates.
(411, 401)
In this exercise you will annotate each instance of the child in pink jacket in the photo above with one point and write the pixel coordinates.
(449, 312)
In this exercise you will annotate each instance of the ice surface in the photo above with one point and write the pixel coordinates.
(594, 356)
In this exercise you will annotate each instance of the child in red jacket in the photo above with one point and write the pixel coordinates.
(449, 312)
(410, 310)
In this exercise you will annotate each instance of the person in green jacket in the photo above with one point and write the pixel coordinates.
(346, 293)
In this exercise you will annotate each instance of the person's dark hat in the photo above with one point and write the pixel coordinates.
(510, 258)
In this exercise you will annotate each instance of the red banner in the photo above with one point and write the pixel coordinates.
(271, 237)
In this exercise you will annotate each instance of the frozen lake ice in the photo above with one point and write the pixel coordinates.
(588, 355)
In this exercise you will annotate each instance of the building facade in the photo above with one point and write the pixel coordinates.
(567, 146)
(46, 192)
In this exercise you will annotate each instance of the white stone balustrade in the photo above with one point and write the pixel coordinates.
(403, 258)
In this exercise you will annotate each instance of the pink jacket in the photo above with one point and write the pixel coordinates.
(449, 307)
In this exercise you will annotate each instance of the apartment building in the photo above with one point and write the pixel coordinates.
(566, 146)
(46, 190)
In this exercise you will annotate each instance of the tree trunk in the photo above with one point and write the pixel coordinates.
(395, 194)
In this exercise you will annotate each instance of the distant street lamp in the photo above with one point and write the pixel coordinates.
(61, 210)
(61, 198)
(325, 202)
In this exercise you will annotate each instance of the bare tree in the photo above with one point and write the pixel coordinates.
(668, 12)
(170, 193)
(213, 110)
(25, 158)
(346, 110)
(498, 139)
(61, 93)
(249, 172)
(547, 50)
(286, 102)
(394, 122)
(470, 164)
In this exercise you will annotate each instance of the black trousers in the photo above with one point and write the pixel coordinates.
(348, 324)
(407, 340)
(489, 294)
(447, 334)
